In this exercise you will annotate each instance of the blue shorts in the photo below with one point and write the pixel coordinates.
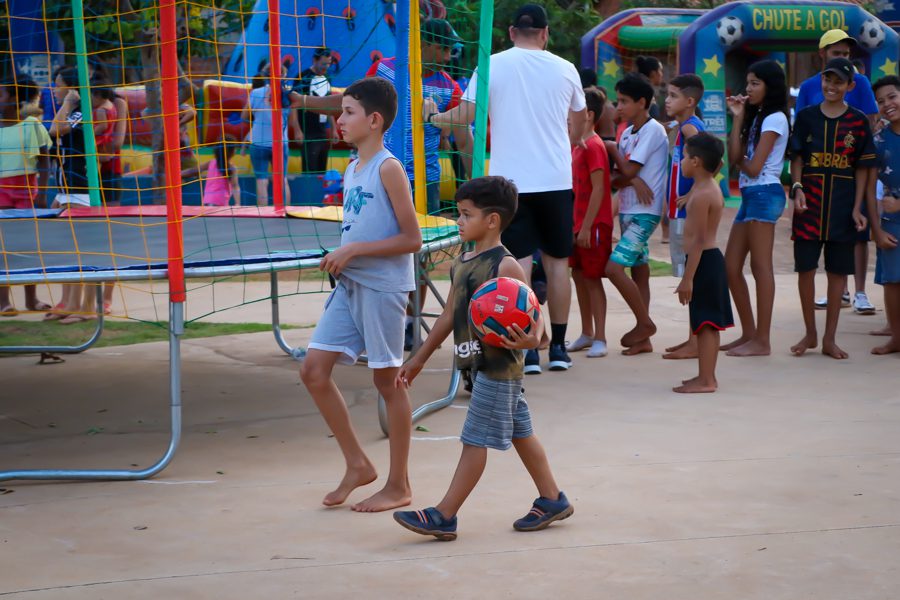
(497, 414)
(633, 250)
(887, 266)
(763, 203)
(261, 158)
(359, 319)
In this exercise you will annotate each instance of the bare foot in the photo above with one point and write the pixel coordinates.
(889, 348)
(639, 348)
(389, 497)
(732, 345)
(353, 479)
(38, 306)
(640, 333)
(831, 349)
(696, 386)
(807, 343)
(684, 351)
(751, 348)
(678, 346)
(886, 331)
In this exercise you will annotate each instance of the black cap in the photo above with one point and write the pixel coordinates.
(530, 16)
(439, 32)
(841, 67)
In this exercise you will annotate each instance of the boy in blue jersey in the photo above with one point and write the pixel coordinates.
(365, 313)
(682, 98)
(886, 230)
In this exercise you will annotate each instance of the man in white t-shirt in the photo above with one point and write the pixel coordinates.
(532, 94)
(644, 148)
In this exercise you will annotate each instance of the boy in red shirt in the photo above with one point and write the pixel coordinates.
(593, 228)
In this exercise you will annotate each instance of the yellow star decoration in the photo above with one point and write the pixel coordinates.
(712, 65)
(611, 68)
(889, 67)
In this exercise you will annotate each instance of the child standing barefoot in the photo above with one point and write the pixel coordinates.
(704, 285)
(367, 310)
(498, 415)
(759, 138)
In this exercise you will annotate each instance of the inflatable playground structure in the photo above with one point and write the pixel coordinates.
(719, 44)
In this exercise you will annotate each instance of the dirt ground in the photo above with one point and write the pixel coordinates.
(783, 485)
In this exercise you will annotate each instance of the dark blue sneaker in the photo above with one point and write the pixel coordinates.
(559, 358)
(428, 522)
(532, 363)
(543, 512)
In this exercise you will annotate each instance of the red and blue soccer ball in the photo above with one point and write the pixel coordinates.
(498, 304)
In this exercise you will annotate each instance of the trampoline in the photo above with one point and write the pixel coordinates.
(96, 245)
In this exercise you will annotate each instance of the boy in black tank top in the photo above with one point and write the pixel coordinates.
(498, 415)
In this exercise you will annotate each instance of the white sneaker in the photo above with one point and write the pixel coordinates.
(861, 304)
(821, 303)
(582, 343)
(598, 350)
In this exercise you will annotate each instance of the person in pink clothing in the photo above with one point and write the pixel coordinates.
(221, 177)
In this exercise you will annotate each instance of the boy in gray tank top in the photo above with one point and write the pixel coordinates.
(366, 311)
(498, 415)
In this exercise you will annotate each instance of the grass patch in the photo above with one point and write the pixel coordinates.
(660, 268)
(115, 333)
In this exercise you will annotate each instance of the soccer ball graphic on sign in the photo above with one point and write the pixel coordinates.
(871, 34)
(730, 31)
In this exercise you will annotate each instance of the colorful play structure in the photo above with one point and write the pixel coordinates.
(745, 31)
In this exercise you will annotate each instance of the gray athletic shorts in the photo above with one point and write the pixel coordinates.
(359, 319)
(497, 414)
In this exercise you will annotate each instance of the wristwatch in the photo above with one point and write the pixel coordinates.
(794, 188)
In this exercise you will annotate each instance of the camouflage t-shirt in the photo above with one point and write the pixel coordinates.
(467, 275)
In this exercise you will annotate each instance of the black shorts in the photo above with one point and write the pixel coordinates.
(710, 304)
(839, 256)
(543, 222)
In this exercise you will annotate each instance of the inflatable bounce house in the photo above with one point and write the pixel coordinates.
(774, 27)
(608, 48)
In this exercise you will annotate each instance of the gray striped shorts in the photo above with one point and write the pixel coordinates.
(497, 414)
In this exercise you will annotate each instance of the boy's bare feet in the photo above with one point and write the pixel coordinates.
(696, 379)
(677, 346)
(640, 333)
(681, 352)
(888, 348)
(353, 479)
(751, 348)
(638, 348)
(696, 386)
(8, 310)
(831, 349)
(38, 306)
(808, 342)
(734, 344)
(389, 497)
(885, 331)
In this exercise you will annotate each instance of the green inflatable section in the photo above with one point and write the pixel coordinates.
(636, 38)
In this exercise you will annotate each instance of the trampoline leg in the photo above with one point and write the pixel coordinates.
(176, 330)
(98, 330)
(297, 353)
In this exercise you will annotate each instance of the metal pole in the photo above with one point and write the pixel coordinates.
(65, 349)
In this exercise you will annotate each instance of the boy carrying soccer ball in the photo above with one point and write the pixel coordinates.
(498, 415)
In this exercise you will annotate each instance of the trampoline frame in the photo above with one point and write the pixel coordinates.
(176, 330)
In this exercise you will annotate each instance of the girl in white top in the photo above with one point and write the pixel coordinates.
(756, 147)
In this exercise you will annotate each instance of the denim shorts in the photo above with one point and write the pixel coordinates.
(763, 203)
(261, 158)
(498, 414)
(887, 266)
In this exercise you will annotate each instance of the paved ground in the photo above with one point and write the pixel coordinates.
(784, 485)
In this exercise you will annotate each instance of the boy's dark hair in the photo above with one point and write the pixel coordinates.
(690, 85)
(69, 75)
(376, 95)
(886, 81)
(645, 65)
(708, 148)
(588, 77)
(595, 102)
(637, 87)
(21, 89)
(491, 194)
